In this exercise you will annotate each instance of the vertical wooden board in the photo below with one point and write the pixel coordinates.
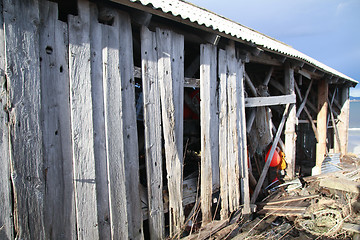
(223, 135)
(130, 128)
(102, 188)
(233, 144)
(82, 123)
(244, 167)
(21, 21)
(114, 125)
(290, 134)
(59, 215)
(321, 121)
(209, 127)
(6, 223)
(153, 135)
(168, 66)
(343, 123)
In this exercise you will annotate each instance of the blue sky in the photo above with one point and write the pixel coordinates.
(327, 30)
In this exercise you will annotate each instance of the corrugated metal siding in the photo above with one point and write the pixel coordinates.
(216, 22)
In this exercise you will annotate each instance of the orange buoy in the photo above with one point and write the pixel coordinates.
(276, 159)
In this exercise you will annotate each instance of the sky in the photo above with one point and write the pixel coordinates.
(326, 30)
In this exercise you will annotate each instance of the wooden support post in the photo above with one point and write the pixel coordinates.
(343, 124)
(21, 28)
(59, 215)
(82, 123)
(153, 135)
(6, 206)
(290, 134)
(171, 79)
(209, 128)
(271, 154)
(223, 134)
(251, 85)
(323, 89)
(334, 125)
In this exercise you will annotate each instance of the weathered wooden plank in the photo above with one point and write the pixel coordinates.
(340, 184)
(253, 89)
(343, 123)
(272, 151)
(130, 127)
(269, 101)
(244, 166)
(59, 215)
(337, 136)
(153, 135)
(170, 73)
(21, 22)
(113, 126)
(209, 128)
(6, 223)
(268, 76)
(290, 135)
(323, 90)
(223, 134)
(304, 100)
(102, 188)
(233, 128)
(82, 123)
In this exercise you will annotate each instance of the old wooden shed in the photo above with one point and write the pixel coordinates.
(104, 133)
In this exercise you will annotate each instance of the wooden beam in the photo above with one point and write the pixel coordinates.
(334, 125)
(153, 135)
(304, 73)
(304, 100)
(251, 85)
(269, 101)
(278, 86)
(290, 135)
(323, 90)
(171, 79)
(209, 128)
(271, 154)
(343, 117)
(268, 76)
(250, 119)
(264, 58)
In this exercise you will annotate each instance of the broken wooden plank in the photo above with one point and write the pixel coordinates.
(208, 230)
(269, 101)
(340, 184)
(6, 206)
(82, 123)
(171, 79)
(287, 200)
(131, 152)
(284, 208)
(153, 135)
(209, 128)
(223, 134)
(97, 88)
(56, 125)
(21, 28)
(272, 151)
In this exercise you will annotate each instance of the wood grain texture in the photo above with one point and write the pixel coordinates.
(6, 223)
(131, 152)
(171, 82)
(59, 215)
(82, 123)
(343, 123)
(153, 134)
(290, 134)
(223, 134)
(97, 90)
(209, 128)
(321, 121)
(21, 22)
(233, 128)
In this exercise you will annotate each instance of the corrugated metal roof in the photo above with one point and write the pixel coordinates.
(216, 22)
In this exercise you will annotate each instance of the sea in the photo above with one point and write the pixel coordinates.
(354, 128)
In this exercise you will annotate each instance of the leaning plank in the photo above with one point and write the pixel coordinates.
(269, 101)
(82, 123)
(21, 21)
(337, 136)
(171, 82)
(209, 128)
(223, 135)
(102, 187)
(130, 127)
(59, 215)
(233, 130)
(6, 223)
(114, 126)
(304, 100)
(272, 151)
(153, 136)
(244, 167)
